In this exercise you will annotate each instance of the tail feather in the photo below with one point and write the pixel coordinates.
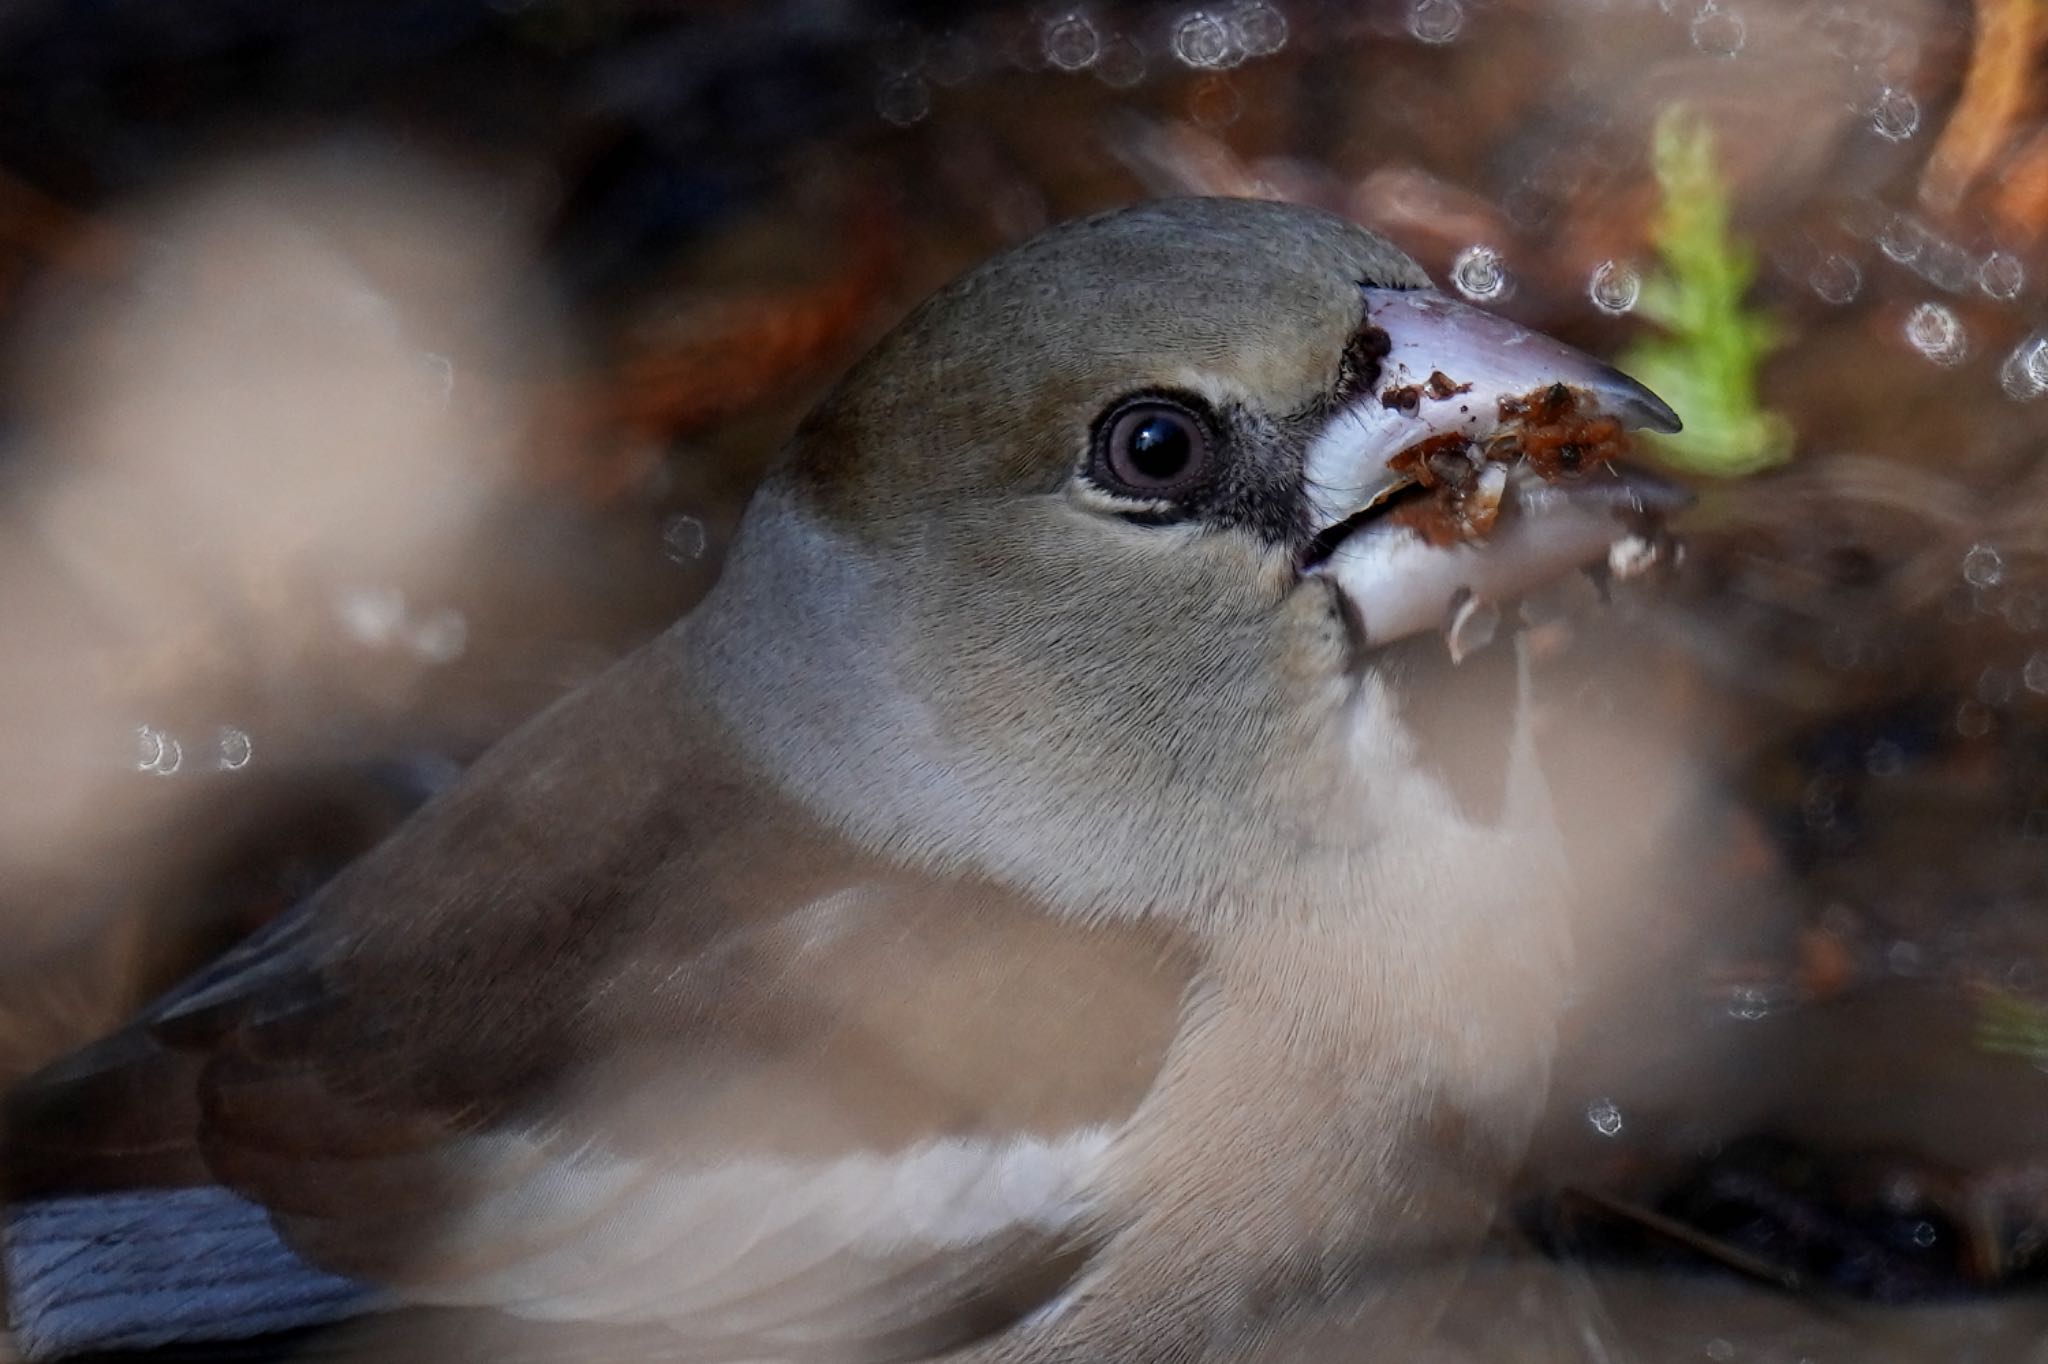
(89, 1273)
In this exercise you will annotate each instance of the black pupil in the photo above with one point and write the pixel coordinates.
(1160, 447)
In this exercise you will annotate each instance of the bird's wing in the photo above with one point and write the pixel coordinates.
(876, 1117)
(815, 1104)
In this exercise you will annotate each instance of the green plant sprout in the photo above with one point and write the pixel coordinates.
(2010, 1026)
(1706, 362)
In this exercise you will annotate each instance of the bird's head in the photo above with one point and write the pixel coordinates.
(1086, 576)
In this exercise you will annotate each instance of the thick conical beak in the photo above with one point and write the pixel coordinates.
(1481, 463)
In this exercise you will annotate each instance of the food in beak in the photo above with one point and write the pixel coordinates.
(1485, 461)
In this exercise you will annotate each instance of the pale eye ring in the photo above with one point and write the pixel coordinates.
(1152, 448)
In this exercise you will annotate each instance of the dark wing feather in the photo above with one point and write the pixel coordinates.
(608, 1034)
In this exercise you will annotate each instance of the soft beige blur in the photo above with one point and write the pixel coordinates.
(252, 458)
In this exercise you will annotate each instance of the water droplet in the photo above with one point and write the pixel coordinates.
(1901, 1191)
(1215, 102)
(1937, 333)
(1202, 40)
(1605, 1117)
(2002, 275)
(903, 100)
(1614, 287)
(2024, 375)
(1122, 63)
(1983, 566)
(234, 747)
(1902, 238)
(1719, 1350)
(684, 539)
(1259, 29)
(1754, 1003)
(1436, 21)
(1071, 42)
(1947, 265)
(1924, 1234)
(1895, 114)
(1973, 719)
(1903, 957)
(1884, 759)
(441, 637)
(2035, 674)
(1836, 279)
(1479, 273)
(371, 615)
(1994, 686)
(1719, 32)
(156, 752)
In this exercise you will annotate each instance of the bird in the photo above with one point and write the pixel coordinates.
(1011, 918)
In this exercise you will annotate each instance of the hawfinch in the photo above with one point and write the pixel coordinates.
(1013, 918)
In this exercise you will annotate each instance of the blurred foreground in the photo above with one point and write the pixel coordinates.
(368, 383)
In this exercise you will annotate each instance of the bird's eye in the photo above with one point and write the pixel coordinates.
(1152, 448)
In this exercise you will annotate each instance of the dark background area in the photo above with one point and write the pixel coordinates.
(375, 373)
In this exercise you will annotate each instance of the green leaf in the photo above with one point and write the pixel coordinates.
(1713, 344)
(2010, 1026)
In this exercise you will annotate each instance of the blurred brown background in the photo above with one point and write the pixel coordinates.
(371, 374)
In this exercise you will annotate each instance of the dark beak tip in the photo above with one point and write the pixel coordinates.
(1661, 420)
(1635, 404)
